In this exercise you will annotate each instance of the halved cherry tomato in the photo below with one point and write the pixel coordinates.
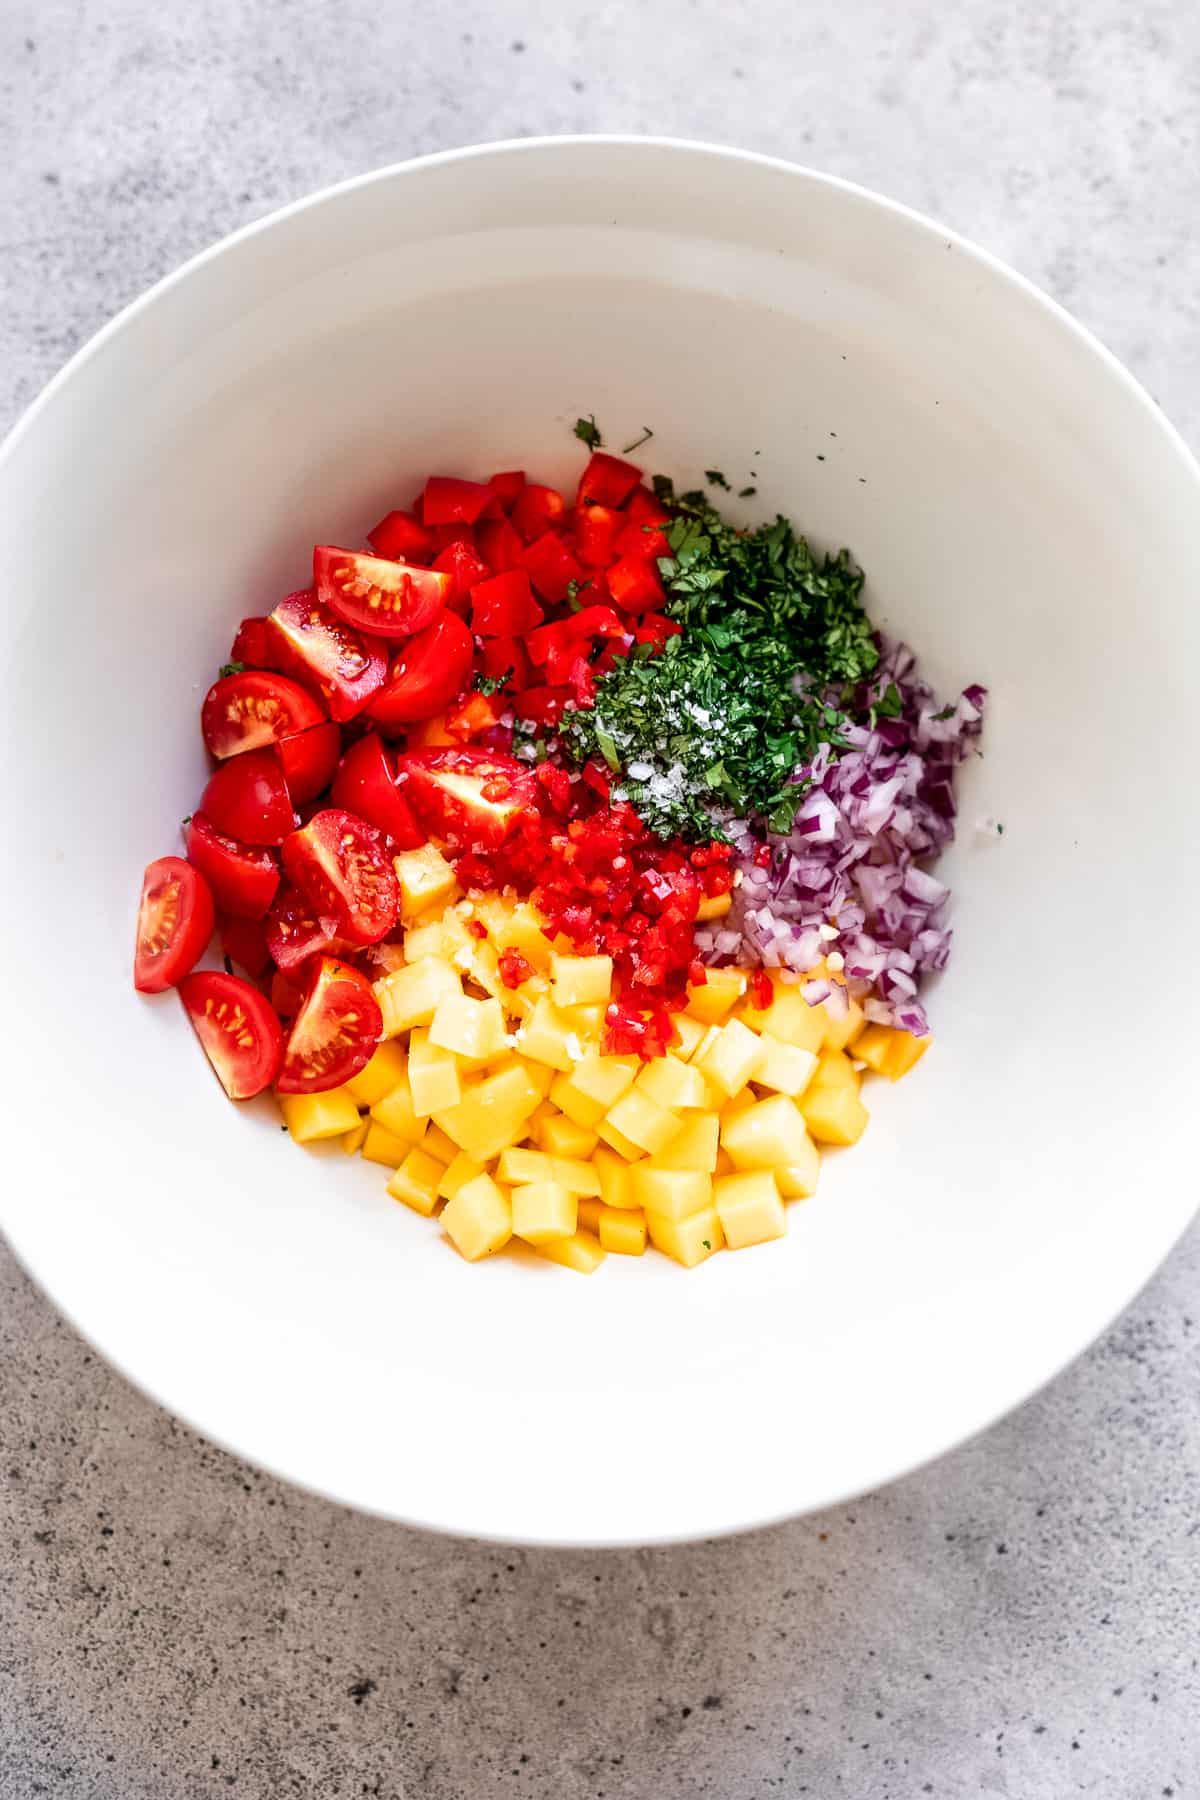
(246, 711)
(309, 760)
(537, 509)
(238, 1032)
(251, 645)
(244, 942)
(607, 481)
(448, 501)
(504, 606)
(597, 529)
(336, 1031)
(500, 546)
(401, 537)
(247, 798)
(366, 785)
(338, 862)
(174, 923)
(429, 670)
(296, 929)
(507, 486)
(552, 566)
(390, 599)
(464, 565)
(243, 877)
(470, 798)
(314, 645)
(635, 586)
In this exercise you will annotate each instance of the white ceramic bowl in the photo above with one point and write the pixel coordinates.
(1026, 518)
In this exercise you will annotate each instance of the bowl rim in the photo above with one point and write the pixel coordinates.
(1152, 1253)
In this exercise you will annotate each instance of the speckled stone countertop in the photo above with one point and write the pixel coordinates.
(1021, 1619)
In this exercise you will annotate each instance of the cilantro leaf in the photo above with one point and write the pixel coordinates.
(588, 432)
(233, 669)
(637, 443)
(490, 684)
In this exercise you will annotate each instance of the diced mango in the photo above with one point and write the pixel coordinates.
(622, 1233)
(456, 1175)
(354, 1140)
(834, 1069)
(492, 1113)
(428, 939)
(768, 1135)
(714, 907)
(436, 1143)
(672, 1083)
(712, 999)
(581, 980)
(689, 1241)
(729, 1109)
(842, 1026)
(784, 1067)
(543, 1210)
(749, 1208)
(425, 877)
(798, 1180)
(616, 1140)
(560, 1136)
(483, 966)
(689, 1033)
(587, 1022)
(725, 1163)
(694, 1146)
(432, 1075)
(383, 1147)
(514, 925)
(546, 1036)
(731, 1059)
(834, 1115)
(588, 1213)
(411, 995)
(907, 1052)
(642, 1121)
(890, 1052)
(616, 1181)
(398, 1115)
(471, 1029)
(478, 1220)
(789, 1018)
(593, 1086)
(671, 1193)
(312, 1117)
(416, 1181)
(380, 1076)
(583, 1252)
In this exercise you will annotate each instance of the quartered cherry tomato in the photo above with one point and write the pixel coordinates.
(253, 709)
(174, 924)
(238, 1031)
(470, 798)
(296, 930)
(336, 1031)
(337, 861)
(389, 599)
(314, 645)
(309, 760)
(243, 877)
(429, 670)
(365, 785)
(247, 798)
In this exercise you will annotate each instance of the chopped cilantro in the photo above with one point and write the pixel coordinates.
(490, 684)
(947, 712)
(747, 493)
(715, 478)
(233, 669)
(588, 432)
(637, 443)
(187, 818)
(707, 1243)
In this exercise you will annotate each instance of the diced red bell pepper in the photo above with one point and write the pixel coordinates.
(500, 546)
(473, 716)
(644, 508)
(607, 481)
(609, 657)
(537, 509)
(656, 628)
(597, 529)
(507, 486)
(504, 606)
(402, 538)
(581, 682)
(635, 586)
(646, 542)
(597, 622)
(542, 705)
(552, 566)
(542, 643)
(449, 501)
(463, 563)
(505, 656)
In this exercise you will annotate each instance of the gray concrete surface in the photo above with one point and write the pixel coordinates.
(1021, 1619)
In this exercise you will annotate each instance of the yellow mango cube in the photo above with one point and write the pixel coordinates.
(798, 1180)
(425, 878)
(784, 1068)
(492, 1113)
(416, 1182)
(436, 1143)
(560, 1136)
(725, 1163)
(834, 1115)
(749, 1208)
(383, 1147)
(714, 906)
(580, 980)
(907, 1052)
(842, 1027)
(354, 1140)
(642, 1121)
(622, 1233)
(694, 1145)
(616, 1140)
(428, 939)
(386, 1067)
(518, 1164)
(789, 1018)
(671, 1193)
(514, 925)
(689, 1035)
(583, 1252)
(411, 995)
(313, 1117)
(398, 1115)
(593, 1086)
(478, 1220)
(546, 1036)
(482, 965)
(432, 1075)
(768, 1135)
(543, 1210)
(587, 1022)
(834, 1069)
(588, 1210)
(461, 1169)
(471, 1029)
(716, 994)
(873, 1047)
(672, 1083)
(689, 1241)
(615, 1176)
(732, 1058)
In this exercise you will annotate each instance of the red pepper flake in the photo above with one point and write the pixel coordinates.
(761, 989)
(477, 928)
(514, 968)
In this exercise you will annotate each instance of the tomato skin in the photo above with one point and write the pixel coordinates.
(470, 798)
(244, 942)
(252, 645)
(366, 785)
(401, 537)
(243, 877)
(338, 863)
(449, 501)
(252, 709)
(500, 546)
(429, 670)
(296, 930)
(335, 1033)
(309, 760)
(506, 486)
(247, 798)
(388, 599)
(504, 606)
(175, 921)
(238, 1031)
(311, 643)
(607, 481)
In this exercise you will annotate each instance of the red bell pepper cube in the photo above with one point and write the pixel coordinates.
(537, 509)
(505, 656)
(507, 486)
(451, 534)
(647, 542)
(542, 705)
(607, 481)
(644, 508)
(402, 538)
(635, 586)
(597, 529)
(463, 563)
(552, 566)
(500, 546)
(547, 639)
(609, 657)
(597, 622)
(656, 628)
(504, 606)
(449, 501)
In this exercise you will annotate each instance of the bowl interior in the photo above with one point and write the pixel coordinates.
(1025, 520)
